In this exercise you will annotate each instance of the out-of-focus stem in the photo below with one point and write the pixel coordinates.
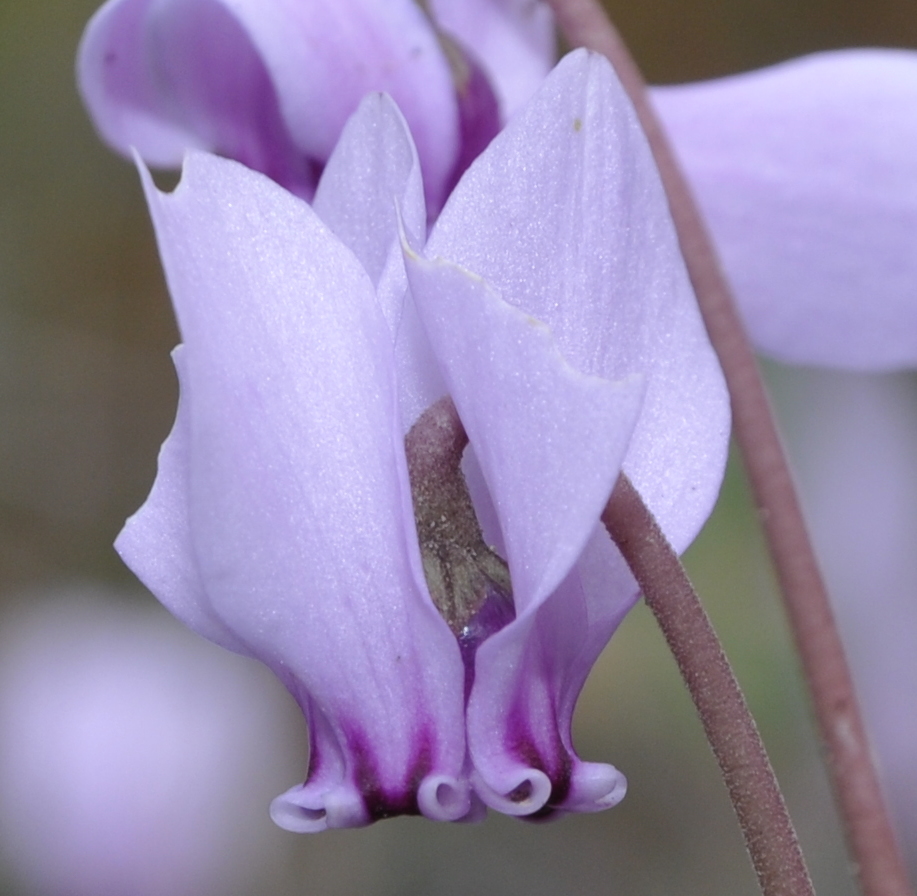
(729, 726)
(869, 833)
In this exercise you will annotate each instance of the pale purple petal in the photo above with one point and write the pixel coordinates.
(579, 234)
(156, 541)
(299, 504)
(372, 177)
(514, 41)
(550, 440)
(564, 217)
(807, 177)
(528, 678)
(168, 75)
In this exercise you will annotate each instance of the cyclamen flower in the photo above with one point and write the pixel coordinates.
(272, 82)
(282, 525)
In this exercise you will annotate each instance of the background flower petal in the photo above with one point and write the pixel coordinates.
(807, 177)
(270, 83)
(851, 437)
(166, 76)
(299, 503)
(133, 756)
(514, 40)
(324, 57)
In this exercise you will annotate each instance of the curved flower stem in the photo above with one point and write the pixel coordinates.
(730, 728)
(870, 836)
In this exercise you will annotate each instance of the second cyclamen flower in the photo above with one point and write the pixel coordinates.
(272, 82)
(282, 522)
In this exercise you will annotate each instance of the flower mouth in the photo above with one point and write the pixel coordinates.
(468, 581)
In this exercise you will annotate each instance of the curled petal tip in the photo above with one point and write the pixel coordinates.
(595, 786)
(444, 798)
(589, 787)
(306, 810)
(518, 791)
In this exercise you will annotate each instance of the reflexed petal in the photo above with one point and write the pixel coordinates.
(299, 504)
(513, 40)
(535, 424)
(807, 177)
(580, 236)
(156, 541)
(549, 440)
(528, 678)
(372, 177)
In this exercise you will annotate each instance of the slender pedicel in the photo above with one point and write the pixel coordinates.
(870, 836)
(728, 724)
(468, 581)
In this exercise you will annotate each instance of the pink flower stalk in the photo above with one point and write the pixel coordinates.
(552, 305)
(272, 82)
(129, 754)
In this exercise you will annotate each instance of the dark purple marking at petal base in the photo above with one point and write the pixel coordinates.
(559, 770)
(382, 802)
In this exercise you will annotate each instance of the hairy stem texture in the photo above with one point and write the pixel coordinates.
(729, 726)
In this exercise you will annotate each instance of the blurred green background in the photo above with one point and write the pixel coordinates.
(87, 394)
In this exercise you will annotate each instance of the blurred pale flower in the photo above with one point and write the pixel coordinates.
(272, 82)
(130, 755)
(281, 524)
(807, 177)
